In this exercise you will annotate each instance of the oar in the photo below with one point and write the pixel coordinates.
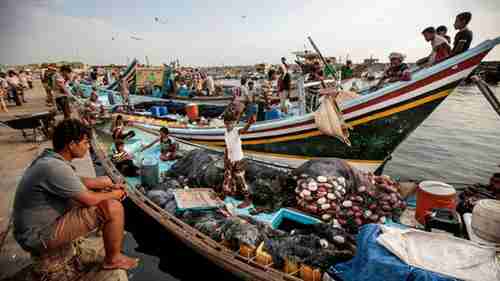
(321, 57)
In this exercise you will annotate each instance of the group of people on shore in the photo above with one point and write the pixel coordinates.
(13, 87)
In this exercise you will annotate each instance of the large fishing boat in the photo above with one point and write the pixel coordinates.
(381, 120)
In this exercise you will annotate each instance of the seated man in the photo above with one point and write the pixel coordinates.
(46, 218)
(440, 48)
(397, 71)
(463, 38)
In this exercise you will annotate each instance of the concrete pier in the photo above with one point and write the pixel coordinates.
(16, 153)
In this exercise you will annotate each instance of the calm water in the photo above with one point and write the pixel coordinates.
(459, 142)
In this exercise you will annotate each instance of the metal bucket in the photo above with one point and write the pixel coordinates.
(150, 172)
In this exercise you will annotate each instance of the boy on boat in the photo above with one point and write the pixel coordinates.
(53, 206)
(118, 128)
(123, 160)
(441, 31)
(463, 38)
(168, 146)
(234, 169)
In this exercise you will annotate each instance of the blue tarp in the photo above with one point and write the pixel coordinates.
(373, 262)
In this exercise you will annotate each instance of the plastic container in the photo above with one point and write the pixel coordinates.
(262, 257)
(444, 220)
(486, 220)
(150, 175)
(192, 111)
(163, 110)
(308, 273)
(247, 251)
(155, 111)
(433, 195)
(273, 114)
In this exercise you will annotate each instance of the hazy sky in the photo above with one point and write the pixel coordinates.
(215, 32)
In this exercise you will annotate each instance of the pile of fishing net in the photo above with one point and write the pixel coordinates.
(337, 192)
(268, 185)
(320, 245)
(233, 230)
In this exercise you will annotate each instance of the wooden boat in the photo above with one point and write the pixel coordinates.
(381, 120)
(245, 266)
(130, 75)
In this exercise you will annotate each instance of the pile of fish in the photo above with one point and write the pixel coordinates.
(327, 196)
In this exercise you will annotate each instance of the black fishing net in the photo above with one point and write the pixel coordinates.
(309, 249)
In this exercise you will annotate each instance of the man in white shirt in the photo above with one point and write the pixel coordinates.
(234, 169)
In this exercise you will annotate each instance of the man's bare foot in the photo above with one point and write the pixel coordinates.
(121, 262)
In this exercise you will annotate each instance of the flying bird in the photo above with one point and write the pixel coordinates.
(160, 21)
(136, 38)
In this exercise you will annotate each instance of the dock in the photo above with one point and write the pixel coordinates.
(16, 154)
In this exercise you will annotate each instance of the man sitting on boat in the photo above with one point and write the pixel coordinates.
(234, 170)
(168, 146)
(53, 206)
(440, 48)
(397, 71)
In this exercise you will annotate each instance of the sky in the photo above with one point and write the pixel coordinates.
(219, 32)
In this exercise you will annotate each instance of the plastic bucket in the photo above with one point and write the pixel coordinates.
(433, 194)
(150, 173)
(192, 111)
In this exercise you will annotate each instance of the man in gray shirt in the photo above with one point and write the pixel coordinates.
(53, 206)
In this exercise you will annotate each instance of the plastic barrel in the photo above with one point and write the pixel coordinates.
(433, 194)
(192, 111)
(486, 220)
(150, 174)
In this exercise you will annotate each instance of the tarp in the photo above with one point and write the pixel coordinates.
(375, 263)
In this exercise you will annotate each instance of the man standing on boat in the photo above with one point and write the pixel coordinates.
(234, 169)
(53, 206)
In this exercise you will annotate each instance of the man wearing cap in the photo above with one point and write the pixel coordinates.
(397, 71)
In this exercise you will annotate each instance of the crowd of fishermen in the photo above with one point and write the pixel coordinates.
(13, 87)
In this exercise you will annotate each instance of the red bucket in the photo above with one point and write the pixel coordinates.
(434, 194)
(192, 111)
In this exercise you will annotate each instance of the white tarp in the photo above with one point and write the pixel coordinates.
(442, 253)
